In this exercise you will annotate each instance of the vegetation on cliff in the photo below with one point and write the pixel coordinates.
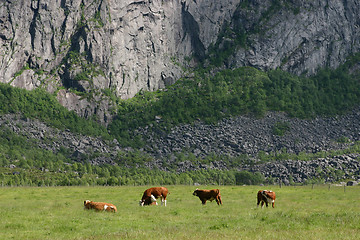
(41, 105)
(211, 97)
(199, 96)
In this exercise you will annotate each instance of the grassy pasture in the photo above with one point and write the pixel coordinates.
(300, 213)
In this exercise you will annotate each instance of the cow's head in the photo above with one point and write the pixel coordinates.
(148, 201)
(195, 193)
(87, 204)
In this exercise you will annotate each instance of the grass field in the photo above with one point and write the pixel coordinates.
(307, 212)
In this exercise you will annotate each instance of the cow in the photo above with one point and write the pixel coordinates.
(100, 206)
(208, 195)
(150, 195)
(265, 196)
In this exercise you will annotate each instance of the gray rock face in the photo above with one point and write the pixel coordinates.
(241, 138)
(300, 36)
(248, 138)
(123, 46)
(245, 135)
(329, 169)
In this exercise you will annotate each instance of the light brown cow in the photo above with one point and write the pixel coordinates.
(265, 196)
(150, 195)
(208, 195)
(100, 206)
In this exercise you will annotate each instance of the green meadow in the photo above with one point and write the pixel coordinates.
(306, 212)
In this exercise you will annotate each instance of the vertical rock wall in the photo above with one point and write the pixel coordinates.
(121, 46)
(104, 47)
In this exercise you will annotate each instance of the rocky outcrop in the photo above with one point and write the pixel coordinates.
(55, 140)
(245, 135)
(329, 169)
(247, 140)
(244, 139)
(118, 47)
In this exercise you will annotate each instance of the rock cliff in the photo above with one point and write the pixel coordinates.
(100, 48)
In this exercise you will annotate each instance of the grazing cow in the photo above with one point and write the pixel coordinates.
(150, 195)
(265, 196)
(99, 206)
(210, 195)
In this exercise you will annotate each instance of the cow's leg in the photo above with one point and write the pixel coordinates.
(203, 201)
(163, 201)
(218, 200)
(273, 204)
(266, 204)
(153, 199)
(262, 204)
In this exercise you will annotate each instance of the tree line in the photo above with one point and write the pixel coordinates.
(128, 177)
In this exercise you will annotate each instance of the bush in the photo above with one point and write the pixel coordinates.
(280, 128)
(248, 178)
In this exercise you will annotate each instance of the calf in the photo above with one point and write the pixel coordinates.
(210, 195)
(265, 196)
(99, 206)
(150, 195)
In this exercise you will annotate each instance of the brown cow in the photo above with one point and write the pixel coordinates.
(265, 196)
(210, 195)
(99, 206)
(150, 195)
